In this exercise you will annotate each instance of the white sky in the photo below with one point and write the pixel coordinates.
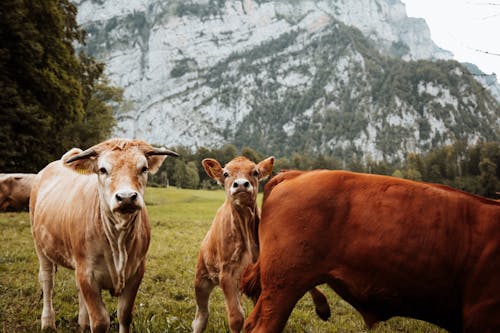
(462, 27)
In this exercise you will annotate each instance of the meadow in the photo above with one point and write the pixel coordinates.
(165, 302)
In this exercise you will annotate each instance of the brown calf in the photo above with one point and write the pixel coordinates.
(88, 214)
(232, 241)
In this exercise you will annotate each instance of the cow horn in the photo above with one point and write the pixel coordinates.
(162, 151)
(85, 154)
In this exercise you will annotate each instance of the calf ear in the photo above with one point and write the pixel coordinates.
(213, 169)
(266, 167)
(83, 162)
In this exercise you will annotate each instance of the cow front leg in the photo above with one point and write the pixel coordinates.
(236, 316)
(202, 287)
(91, 294)
(46, 278)
(83, 314)
(127, 298)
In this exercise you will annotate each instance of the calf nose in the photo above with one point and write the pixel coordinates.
(126, 197)
(241, 182)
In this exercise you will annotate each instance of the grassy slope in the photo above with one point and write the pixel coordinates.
(165, 302)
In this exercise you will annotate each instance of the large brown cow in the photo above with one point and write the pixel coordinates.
(88, 214)
(232, 242)
(388, 246)
(15, 190)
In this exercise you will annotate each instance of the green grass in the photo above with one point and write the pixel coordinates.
(165, 302)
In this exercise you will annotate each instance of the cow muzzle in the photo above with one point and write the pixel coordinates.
(127, 202)
(241, 186)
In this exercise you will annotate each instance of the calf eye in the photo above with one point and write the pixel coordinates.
(256, 173)
(225, 174)
(144, 169)
(103, 171)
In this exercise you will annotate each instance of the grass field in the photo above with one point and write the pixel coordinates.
(165, 302)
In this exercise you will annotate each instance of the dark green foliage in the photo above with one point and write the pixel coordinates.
(51, 99)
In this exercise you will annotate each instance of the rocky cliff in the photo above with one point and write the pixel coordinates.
(339, 77)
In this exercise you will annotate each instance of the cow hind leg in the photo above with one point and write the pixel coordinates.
(203, 287)
(46, 278)
(320, 304)
(236, 316)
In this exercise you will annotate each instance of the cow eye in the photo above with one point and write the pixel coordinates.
(225, 174)
(256, 173)
(103, 171)
(144, 169)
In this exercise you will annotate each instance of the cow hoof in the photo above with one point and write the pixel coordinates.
(323, 312)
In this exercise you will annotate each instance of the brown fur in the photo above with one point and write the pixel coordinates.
(388, 246)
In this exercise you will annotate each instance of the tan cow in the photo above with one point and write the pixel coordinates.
(232, 241)
(15, 190)
(88, 214)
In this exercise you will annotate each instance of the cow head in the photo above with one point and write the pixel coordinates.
(122, 168)
(240, 177)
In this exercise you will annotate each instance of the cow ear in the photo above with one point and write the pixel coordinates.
(213, 169)
(266, 167)
(156, 156)
(83, 162)
(155, 162)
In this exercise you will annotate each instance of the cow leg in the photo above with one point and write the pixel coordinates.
(83, 315)
(91, 294)
(230, 286)
(126, 300)
(203, 287)
(272, 310)
(46, 278)
(320, 304)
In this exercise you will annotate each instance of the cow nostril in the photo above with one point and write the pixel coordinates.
(133, 197)
(118, 197)
(235, 185)
(247, 184)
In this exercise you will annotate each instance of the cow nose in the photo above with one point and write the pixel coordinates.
(240, 182)
(126, 197)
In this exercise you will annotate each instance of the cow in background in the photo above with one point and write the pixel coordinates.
(388, 246)
(15, 190)
(88, 214)
(232, 241)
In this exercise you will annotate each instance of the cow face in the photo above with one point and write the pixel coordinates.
(122, 168)
(240, 177)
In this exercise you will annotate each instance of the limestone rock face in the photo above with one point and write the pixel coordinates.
(285, 76)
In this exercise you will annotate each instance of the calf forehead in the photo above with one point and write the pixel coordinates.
(240, 164)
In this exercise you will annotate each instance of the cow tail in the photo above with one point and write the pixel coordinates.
(250, 281)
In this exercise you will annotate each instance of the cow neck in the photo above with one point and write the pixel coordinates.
(245, 219)
(117, 232)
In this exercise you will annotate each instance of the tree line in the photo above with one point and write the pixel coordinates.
(474, 169)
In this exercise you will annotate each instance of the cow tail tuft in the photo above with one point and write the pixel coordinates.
(250, 281)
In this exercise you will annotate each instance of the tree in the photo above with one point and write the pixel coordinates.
(50, 98)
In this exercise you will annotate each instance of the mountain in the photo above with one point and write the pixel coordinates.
(335, 76)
